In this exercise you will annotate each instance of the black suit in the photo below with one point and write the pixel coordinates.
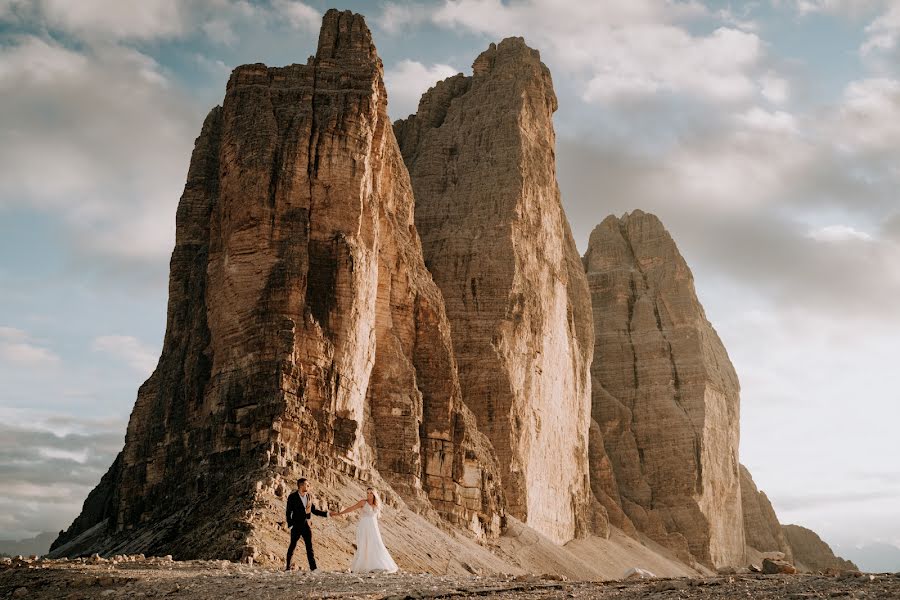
(298, 521)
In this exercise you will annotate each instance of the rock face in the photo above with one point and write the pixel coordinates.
(304, 335)
(480, 153)
(762, 531)
(665, 396)
(811, 553)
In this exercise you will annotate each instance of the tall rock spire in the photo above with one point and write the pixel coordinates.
(481, 156)
(665, 396)
(304, 334)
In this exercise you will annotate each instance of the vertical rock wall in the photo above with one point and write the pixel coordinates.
(480, 153)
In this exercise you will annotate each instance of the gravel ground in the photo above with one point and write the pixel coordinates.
(137, 577)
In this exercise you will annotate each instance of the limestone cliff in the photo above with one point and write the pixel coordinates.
(304, 335)
(762, 531)
(665, 396)
(480, 152)
(811, 552)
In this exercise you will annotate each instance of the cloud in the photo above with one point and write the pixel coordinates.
(881, 47)
(775, 89)
(838, 233)
(298, 14)
(396, 17)
(18, 348)
(47, 470)
(620, 51)
(137, 355)
(113, 131)
(408, 80)
(844, 8)
(143, 20)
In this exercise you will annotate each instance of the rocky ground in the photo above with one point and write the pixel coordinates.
(137, 577)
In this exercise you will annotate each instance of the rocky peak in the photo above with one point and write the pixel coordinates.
(811, 553)
(665, 396)
(344, 37)
(480, 152)
(304, 336)
(762, 531)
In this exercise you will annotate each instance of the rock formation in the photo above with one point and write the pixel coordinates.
(762, 531)
(811, 553)
(665, 396)
(304, 334)
(480, 152)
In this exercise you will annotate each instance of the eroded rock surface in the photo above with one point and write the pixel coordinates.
(810, 552)
(304, 334)
(480, 152)
(665, 395)
(762, 531)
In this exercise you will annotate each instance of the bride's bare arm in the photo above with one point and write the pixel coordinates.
(356, 506)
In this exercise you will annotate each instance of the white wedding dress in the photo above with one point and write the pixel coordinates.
(371, 555)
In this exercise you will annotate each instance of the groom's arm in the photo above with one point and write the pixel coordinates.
(317, 512)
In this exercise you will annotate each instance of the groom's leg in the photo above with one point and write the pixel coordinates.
(295, 535)
(307, 539)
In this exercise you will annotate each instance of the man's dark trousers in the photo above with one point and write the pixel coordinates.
(302, 530)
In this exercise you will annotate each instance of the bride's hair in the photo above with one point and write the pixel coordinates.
(377, 503)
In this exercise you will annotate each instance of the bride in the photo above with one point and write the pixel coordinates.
(371, 555)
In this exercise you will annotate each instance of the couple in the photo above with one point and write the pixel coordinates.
(371, 555)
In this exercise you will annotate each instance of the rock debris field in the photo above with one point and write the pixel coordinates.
(138, 577)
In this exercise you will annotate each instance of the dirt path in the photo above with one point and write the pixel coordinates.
(221, 580)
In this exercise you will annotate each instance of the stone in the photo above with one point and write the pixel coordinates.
(304, 335)
(774, 567)
(808, 548)
(481, 156)
(665, 396)
(762, 531)
(20, 592)
(636, 573)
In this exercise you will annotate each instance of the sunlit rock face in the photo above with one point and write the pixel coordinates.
(304, 337)
(480, 152)
(762, 531)
(665, 395)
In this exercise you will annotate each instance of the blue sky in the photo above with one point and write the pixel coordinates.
(766, 136)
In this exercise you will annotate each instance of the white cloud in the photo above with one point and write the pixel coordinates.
(838, 233)
(881, 48)
(868, 119)
(623, 50)
(111, 129)
(129, 349)
(775, 89)
(395, 17)
(775, 122)
(17, 348)
(147, 19)
(298, 14)
(845, 8)
(408, 80)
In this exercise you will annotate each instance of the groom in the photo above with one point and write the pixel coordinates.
(299, 508)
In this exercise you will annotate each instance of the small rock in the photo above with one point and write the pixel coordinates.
(849, 574)
(553, 577)
(20, 592)
(774, 567)
(636, 573)
(755, 569)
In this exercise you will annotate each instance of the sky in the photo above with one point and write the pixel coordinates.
(765, 135)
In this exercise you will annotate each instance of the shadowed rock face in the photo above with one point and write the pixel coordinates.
(480, 153)
(762, 531)
(304, 334)
(665, 396)
(811, 552)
